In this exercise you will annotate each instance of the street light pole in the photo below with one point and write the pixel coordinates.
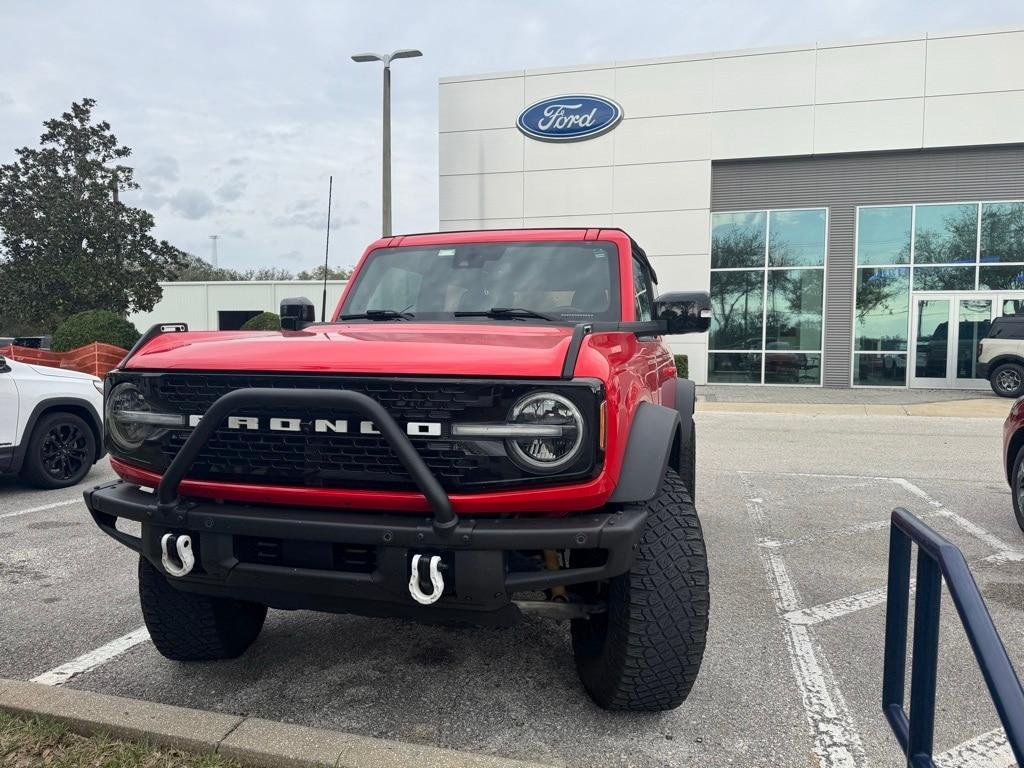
(386, 59)
(385, 204)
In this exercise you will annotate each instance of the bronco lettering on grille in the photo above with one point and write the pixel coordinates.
(323, 426)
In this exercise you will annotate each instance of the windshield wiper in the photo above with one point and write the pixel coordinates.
(502, 313)
(378, 314)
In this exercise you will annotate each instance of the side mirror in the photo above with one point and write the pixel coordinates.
(297, 313)
(684, 312)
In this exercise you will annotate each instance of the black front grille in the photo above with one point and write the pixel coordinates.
(353, 460)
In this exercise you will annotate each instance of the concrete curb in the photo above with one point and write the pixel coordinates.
(249, 740)
(967, 409)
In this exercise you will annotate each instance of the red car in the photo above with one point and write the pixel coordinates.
(1013, 457)
(489, 424)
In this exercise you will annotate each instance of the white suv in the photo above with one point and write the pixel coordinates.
(1001, 356)
(51, 428)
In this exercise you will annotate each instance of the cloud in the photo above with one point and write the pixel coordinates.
(163, 167)
(233, 188)
(192, 203)
(6, 99)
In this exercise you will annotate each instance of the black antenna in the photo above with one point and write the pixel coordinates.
(327, 250)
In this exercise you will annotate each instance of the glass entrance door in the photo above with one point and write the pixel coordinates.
(945, 332)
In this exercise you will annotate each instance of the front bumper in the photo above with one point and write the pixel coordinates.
(299, 558)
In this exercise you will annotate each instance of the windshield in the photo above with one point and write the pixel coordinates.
(563, 281)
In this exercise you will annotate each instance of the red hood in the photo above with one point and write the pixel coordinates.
(389, 348)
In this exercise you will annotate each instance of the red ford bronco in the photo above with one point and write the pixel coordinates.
(490, 424)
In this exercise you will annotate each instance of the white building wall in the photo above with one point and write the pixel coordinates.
(197, 303)
(651, 175)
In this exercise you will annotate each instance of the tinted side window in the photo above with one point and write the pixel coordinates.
(1007, 328)
(642, 292)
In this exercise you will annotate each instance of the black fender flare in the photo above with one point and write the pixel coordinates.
(654, 436)
(686, 399)
(57, 404)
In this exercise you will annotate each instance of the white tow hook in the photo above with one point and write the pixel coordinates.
(183, 548)
(436, 581)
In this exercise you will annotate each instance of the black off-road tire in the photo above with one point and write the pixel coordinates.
(1017, 487)
(644, 653)
(1007, 380)
(60, 451)
(188, 627)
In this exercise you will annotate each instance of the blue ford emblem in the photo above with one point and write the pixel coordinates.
(569, 118)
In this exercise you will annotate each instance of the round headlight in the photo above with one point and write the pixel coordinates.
(126, 410)
(547, 453)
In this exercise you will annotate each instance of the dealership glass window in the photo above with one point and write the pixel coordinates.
(929, 278)
(1002, 278)
(737, 309)
(1002, 232)
(876, 370)
(767, 290)
(793, 316)
(883, 309)
(883, 234)
(734, 368)
(935, 247)
(737, 239)
(946, 234)
(797, 238)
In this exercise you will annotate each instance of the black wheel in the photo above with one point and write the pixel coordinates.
(644, 653)
(1017, 487)
(190, 627)
(1007, 380)
(61, 451)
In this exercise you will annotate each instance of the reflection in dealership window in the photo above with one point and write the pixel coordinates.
(738, 240)
(1002, 232)
(883, 304)
(794, 308)
(946, 234)
(767, 288)
(883, 235)
(797, 238)
(943, 278)
(737, 313)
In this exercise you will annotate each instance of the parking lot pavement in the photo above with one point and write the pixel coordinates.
(795, 511)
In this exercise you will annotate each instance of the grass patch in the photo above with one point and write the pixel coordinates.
(44, 743)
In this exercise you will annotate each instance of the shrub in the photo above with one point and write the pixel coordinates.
(94, 325)
(682, 366)
(264, 321)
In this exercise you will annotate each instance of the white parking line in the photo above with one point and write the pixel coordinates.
(990, 750)
(43, 508)
(841, 607)
(836, 742)
(1000, 546)
(92, 659)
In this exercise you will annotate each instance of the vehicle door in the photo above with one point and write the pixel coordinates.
(654, 362)
(8, 412)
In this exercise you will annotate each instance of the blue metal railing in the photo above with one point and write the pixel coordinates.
(938, 559)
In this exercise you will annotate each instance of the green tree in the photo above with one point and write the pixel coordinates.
(318, 274)
(67, 242)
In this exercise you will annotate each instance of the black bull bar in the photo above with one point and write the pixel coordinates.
(445, 520)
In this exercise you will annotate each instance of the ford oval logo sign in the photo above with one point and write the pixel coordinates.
(569, 118)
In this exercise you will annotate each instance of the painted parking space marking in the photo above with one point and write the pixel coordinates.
(837, 743)
(95, 658)
(989, 750)
(43, 508)
(838, 608)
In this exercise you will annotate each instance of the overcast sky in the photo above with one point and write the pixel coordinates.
(238, 112)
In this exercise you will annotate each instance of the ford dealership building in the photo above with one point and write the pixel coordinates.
(855, 209)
